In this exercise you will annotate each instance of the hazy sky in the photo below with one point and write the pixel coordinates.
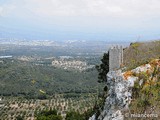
(117, 20)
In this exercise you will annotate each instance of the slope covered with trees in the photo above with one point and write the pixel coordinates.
(22, 78)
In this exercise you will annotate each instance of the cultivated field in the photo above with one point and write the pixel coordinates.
(12, 107)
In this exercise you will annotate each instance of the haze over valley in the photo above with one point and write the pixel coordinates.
(79, 59)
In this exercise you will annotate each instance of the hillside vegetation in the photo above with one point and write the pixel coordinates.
(146, 91)
(140, 53)
(20, 78)
(146, 94)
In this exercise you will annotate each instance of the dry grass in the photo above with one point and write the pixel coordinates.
(127, 74)
(140, 53)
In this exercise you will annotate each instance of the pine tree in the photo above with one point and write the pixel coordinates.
(103, 68)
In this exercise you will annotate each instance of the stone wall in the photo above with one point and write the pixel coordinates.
(115, 58)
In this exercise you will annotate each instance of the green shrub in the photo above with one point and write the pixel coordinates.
(48, 115)
(72, 115)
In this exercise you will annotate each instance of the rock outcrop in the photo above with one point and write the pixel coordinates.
(119, 96)
(120, 93)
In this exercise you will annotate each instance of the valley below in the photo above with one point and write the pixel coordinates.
(42, 75)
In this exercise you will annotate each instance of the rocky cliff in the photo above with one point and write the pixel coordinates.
(120, 86)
